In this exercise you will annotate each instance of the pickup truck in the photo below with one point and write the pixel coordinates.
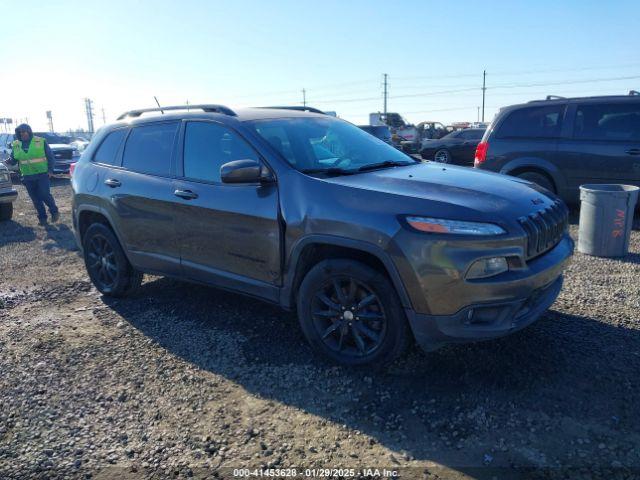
(8, 194)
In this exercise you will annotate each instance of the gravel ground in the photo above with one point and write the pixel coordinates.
(185, 380)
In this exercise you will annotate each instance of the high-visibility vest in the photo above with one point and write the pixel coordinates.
(34, 160)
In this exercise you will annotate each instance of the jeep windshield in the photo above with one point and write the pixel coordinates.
(329, 146)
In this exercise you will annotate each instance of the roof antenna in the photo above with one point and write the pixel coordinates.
(156, 99)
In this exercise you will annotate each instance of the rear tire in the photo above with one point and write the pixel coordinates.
(106, 263)
(538, 178)
(351, 314)
(6, 211)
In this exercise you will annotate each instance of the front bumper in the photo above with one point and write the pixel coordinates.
(500, 307)
(62, 166)
(8, 196)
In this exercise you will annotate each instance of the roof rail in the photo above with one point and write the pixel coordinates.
(634, 92)
(299, 108)
(205, 108)
(555, 97)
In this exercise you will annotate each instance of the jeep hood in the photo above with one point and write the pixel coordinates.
(472, 190)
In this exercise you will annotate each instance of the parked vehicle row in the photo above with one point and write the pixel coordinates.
(562, 143)
(456, 148)
(370, 246)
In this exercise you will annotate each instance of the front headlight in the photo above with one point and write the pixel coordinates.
(457, 227)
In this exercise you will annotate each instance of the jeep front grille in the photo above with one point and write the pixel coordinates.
(545, 228)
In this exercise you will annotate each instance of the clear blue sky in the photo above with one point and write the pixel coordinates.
(242, 53)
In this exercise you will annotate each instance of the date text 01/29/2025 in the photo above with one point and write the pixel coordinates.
(313, 472)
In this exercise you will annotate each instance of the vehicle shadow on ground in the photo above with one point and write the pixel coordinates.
(61, 237)
(14, 232)
(554, 368)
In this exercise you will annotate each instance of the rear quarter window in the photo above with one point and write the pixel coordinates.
(108, 149)
(608, 122)
(533, 122)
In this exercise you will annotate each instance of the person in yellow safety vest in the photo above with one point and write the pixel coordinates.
(35, 160)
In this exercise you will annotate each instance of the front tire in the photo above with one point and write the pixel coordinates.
(442, 156)
(106, 263)
(6, 212)
(351, 314)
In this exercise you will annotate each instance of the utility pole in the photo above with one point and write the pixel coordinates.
(478, 114)
(484, 89)
(304, 97)
(89, 108)
(104, 117)
(385, 92)
(50, 119)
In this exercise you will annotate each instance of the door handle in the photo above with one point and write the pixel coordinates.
(633, 151)
(112, 182)
(186, 194)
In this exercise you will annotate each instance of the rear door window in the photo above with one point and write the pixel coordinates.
(533, 122)
(108, 149)
(149, 148)
(471, 134)
(609, 122)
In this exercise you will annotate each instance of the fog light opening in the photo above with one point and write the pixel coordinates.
(487, 267)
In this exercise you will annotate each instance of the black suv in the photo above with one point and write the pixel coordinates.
(562, 143)
(369, 245)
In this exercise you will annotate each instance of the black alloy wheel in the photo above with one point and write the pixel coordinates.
(106, 263)
(101, 263)
(349, 317)
(350, 313)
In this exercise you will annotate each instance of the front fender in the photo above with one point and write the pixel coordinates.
(319, 239)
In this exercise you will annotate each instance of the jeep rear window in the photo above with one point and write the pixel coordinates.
(108, 149)
(533, 122)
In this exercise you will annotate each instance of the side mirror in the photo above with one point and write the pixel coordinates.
(245, 171)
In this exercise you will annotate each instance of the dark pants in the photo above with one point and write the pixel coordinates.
(39, 190)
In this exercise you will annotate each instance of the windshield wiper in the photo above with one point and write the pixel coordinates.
(329, 171)
(386, 163)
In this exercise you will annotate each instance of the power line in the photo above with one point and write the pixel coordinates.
(562, 70)
(523, 72)
(339, 90)
(495, 87)
(571, 82)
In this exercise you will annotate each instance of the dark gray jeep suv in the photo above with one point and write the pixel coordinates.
(369, 245)
(562, 143)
